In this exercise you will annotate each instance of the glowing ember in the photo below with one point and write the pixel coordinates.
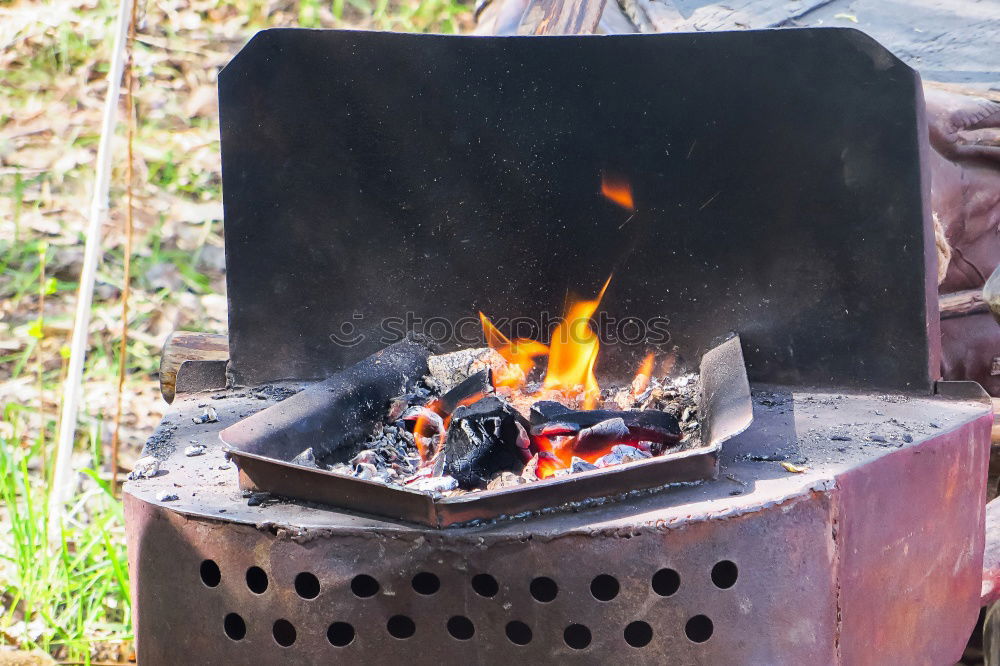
(617, 189)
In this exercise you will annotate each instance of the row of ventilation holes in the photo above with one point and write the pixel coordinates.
(665, 583)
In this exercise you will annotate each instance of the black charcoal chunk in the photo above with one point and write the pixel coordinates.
(601, 435)
(544, 411)
(474, 387)
(647, 425)
(482, 441)
(334, 416)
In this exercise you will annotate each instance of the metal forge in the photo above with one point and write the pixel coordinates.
(779, 194)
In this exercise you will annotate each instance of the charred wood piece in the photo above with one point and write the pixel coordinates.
(482, 441)
(643, 426)
(601, 435)
(544, 411)
(473, 388)
(334, 417)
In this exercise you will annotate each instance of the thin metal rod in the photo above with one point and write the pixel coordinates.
(73, 385)
(130, 121)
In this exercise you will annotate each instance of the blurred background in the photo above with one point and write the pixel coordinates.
(72, 602)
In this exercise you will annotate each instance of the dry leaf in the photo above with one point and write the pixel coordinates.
(794, 469)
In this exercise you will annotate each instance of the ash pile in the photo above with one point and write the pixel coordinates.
(466, 427)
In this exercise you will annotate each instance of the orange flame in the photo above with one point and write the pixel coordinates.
(641, 381)
(573, 353)
(617, 189)
(519, 354)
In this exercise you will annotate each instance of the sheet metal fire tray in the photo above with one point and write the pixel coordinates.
(262, 446)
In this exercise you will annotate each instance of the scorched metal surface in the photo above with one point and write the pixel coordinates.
(777, 178)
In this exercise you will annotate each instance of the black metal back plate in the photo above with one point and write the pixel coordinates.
(777, 179)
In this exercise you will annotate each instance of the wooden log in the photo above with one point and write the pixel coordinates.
(962, 303)
(184, 346)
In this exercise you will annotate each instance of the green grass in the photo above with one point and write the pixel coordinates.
(72, 599)
(76, 593)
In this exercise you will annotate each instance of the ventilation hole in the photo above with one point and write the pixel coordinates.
(340, 634)
(544, 589)
(307, 585)
(235, 627)
(518, 632)
(210, 574)
(364, 586)
(426, 583)
(577, 636)
(485, 585)
(283, 632)
(461, 628)
(256, 580)
(604, 587)
(400, 626)
(638, 634)
(666, 582)
(699, 628)
(724, 574)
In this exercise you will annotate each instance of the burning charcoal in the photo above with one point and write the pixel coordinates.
(449, 370)
(145, 468)
(622, 453)
(469, 390)
(547, 410)
(581, 465)
(207, 416)
(434, 484)
(307, 458)
(648, 425)
(194, 450)
(557, 429)
(482, 440)
(504, 480)
(601, 435)
(341, 468)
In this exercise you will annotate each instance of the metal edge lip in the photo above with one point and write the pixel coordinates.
(628, 468)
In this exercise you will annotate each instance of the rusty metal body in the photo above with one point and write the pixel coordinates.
(873, 553)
